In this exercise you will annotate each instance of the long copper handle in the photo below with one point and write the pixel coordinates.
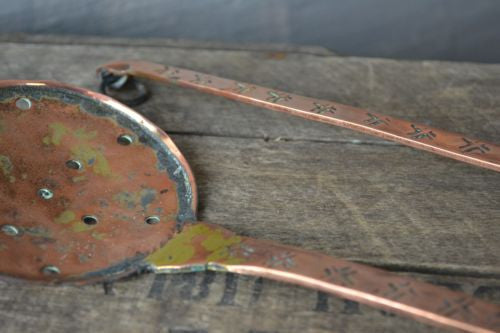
(456, 146)
(203, 246)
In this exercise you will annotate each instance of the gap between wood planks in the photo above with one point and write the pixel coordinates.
(285, 139)
(22, 38)
(450, 270)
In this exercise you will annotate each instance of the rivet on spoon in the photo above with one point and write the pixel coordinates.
(10, 230)
(152, 219)
(45, 193)
(23, 103)
(51, 270)
(74, 164)
(90, 219)
(125, 140)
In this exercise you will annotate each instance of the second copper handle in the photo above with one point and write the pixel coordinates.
(453, 145)
(204, 246)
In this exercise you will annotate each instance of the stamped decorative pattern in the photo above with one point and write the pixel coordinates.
(419, 133)
(396, 291)
(471, 147)
(277, 97)
(173, 74)
(374, 120)
(452, 307)
(284, 259)
(242, 88)
(343, 275)
(323, 108)
(201, 79)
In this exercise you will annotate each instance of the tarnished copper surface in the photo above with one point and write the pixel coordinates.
(207, 246)
(453, 145)
(120, 185)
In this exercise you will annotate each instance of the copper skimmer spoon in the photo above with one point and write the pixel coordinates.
(92, 191)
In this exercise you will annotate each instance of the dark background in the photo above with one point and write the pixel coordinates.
(458, 30)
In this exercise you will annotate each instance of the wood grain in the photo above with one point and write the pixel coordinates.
(203, 302)
(348, 201)
(268, 175)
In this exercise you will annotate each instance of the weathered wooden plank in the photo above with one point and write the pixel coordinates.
(458, 97)
(345, 200)
(163, 43)
(203, 302)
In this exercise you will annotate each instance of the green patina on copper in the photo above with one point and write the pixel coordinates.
(184, 248)
(92, 157)
(82, 134)
(65, 217)
(79, 226)
(179, 250)
(7, 167)
(69, 218)
(98, 235)
(84, 150)
(58, 131)
(220, 246)
(78, 179)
